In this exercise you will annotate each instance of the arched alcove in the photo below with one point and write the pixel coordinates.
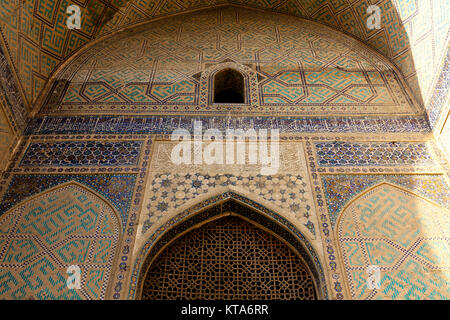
(44, 235)
(402, 235)
(228, 259)
(260, 219)
(229, 86)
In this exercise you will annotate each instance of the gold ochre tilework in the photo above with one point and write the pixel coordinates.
(42, 237)
(290, 67)
(402, 234)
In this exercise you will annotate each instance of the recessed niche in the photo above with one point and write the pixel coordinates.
(229, 87)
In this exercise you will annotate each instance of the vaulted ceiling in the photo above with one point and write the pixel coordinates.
(292, 67)
(413, 34)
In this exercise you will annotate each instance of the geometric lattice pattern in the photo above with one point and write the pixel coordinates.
(314, 71)
(228, 259)
(326, 89)
(372, 154)
(404, 235)
(10, 97)
(41, 238)
(340, 189)
(77, 153)
(118, 189)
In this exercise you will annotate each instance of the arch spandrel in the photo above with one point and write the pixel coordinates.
(144, 233)
(290, 187)
(45, 234)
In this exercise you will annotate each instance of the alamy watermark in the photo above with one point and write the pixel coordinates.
(74, 20)
(229, 147)
(373, 281)
(374, 20)
(74, 280)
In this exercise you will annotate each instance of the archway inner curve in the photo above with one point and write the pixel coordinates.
(228, 258)
(218, 207)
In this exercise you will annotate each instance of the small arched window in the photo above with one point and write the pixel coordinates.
(229, 87)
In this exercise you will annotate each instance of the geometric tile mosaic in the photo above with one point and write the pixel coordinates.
(82, 153)
(372, 154)
(300, 78)
(116, 188)
(227, 201)
(42, 237)
(340, 189)
(292, 67)
(38, 39)
(402, 234)
(13, 103)
(242, 268)
(13, 112)
(168, 191)
(170, 186)
(407, 30)
(437, 106)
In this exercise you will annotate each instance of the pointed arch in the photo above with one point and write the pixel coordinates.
(229, 86)
(215, 208)
(249, 263)
(42, 236)
(247, 77)
(403, 235)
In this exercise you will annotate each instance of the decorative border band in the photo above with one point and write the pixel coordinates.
(167, 124)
